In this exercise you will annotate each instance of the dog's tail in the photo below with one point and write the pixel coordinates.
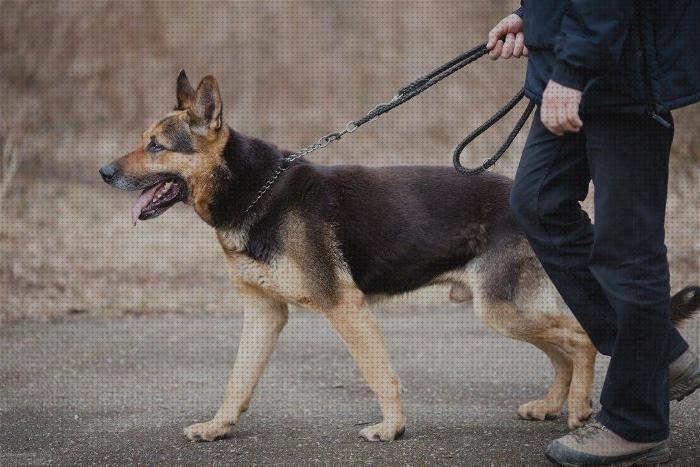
(684, 304)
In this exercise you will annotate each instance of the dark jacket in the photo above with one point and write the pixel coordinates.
(625, 55)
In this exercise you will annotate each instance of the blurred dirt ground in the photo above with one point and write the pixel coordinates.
(80, 81)
(91, 390)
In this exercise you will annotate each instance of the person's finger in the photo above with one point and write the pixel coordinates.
(553, 123)
(496, 51)
(567, 120)
(571, 115)
(495, 34)
(575, 119)
(552, 116)
(519, 45)
(551, 128)
(562, 124)
(525, 51)
(508, 46)
(555, 127)
(568, 127)
(572, 125)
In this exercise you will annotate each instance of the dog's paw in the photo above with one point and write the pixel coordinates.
(207, 431)
(382, 432)
(539, 410)
(579, 413)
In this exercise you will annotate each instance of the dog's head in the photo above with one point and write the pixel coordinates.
(178, 154)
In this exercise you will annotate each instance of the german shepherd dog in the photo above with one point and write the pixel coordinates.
(336, 238)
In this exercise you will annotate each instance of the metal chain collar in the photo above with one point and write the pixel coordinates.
(287, 162)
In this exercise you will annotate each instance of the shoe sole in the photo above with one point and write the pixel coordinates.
(656, 456)
(682, 389)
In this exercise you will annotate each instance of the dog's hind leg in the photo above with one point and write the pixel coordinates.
(358, 329)
(558, 337)
(263, 321)
(573, 357)
(550, 406)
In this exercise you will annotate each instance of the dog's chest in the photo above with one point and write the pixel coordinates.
(282, 277)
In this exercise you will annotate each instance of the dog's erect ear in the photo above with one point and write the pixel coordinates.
(185, 92)
(207, 103)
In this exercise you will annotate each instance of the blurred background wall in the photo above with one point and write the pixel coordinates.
(80, 81)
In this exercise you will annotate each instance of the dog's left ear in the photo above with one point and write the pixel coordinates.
(207, 103)
(185, 92)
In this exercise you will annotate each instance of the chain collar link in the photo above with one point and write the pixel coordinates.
(287, 162)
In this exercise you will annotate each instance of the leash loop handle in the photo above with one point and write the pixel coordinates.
(488, 163)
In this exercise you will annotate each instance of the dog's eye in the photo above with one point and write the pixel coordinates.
(154, 147)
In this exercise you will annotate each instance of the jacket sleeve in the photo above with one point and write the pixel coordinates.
(520, 9)
(590, 40)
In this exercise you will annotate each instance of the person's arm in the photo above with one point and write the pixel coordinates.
(591, 40)
(589, 43)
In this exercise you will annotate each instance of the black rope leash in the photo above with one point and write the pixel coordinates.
(488, 163)
(424, 82)
(405, 94)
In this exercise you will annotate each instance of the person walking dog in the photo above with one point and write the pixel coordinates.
(606, 74)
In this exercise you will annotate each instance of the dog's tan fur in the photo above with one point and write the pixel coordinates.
(302, 274)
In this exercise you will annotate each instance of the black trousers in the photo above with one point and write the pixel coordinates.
(613, 275)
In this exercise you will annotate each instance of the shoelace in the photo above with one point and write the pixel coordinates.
(588, 431)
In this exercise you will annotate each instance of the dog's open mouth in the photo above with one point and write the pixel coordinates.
(155, 200)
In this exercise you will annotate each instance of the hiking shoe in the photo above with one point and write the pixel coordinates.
(683, 376)
(593, 444)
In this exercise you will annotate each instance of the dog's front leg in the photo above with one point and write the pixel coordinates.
(262, 323)
(360, 332)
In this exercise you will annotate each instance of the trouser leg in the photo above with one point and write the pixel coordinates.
(552, 179)
(628, 156)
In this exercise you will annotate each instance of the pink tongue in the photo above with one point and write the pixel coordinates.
(143, 201)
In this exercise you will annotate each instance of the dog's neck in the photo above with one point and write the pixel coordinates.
(247, 164)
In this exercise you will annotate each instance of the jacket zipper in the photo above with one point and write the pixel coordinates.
(648, 88)
(662, 121)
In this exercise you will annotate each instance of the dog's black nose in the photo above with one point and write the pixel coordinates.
(108, 172)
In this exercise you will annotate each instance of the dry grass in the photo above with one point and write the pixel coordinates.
(88, 76)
